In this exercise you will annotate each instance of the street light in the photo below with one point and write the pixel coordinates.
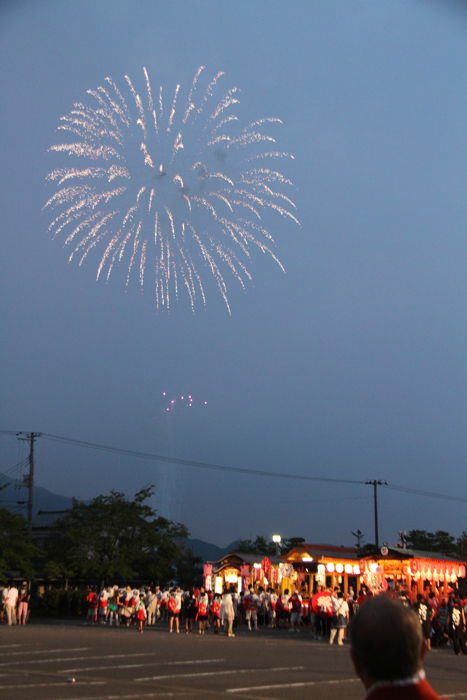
(277, 539)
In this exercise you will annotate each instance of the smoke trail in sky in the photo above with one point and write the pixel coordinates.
(176, 416)
(169, 187)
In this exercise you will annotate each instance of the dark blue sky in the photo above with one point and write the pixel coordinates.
(351, 365)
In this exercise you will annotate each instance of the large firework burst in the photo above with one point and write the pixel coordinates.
(169, 189)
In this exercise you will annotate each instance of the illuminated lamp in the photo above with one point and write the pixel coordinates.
(348, 568)
(330, 567)
(339, 568)
(321, 568)
(373, 567)
(441, 576)
(429, 574)
(436, 575)
(356, 570)
(218, 587)
(417, 575)
(305, 558)
(462, 572)
(231, 578)
(361, 579)
(257, 566)
(453, 578)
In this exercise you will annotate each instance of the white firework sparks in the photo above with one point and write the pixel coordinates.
(166, 187)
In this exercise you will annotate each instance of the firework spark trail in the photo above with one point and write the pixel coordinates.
(186, 203)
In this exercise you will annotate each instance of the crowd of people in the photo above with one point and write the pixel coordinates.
(15, 604)
(442, 620)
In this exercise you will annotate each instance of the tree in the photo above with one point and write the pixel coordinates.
(261, 545)
(462, 546)
(439, 541)
(115, 539)
(18, 554)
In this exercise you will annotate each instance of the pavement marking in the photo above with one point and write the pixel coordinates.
(159, 663)
(8, 646)
(47, 685)
(297, 684)
(44, 651)
(274, 669)
(75, 658)
(124, 697)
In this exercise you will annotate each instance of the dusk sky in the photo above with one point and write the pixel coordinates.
(350, 365)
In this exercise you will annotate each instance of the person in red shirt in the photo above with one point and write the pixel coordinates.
(387, 650)
(93, 603)
(215, 609)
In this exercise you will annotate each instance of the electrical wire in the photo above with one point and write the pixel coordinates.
(235, 470)
(429, 494)
(194, 463)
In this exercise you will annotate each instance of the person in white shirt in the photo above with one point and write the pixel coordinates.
(250, 603)
(11, 599)
(227, 612)
(340, 618)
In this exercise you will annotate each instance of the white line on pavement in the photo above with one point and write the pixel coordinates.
(297, 684)
(125, 697)
(223, 673)
(9, 646)
(159, 663)
(47, 685)
(43, 651)
(75, 658)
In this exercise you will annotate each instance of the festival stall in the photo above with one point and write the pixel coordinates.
(240, 569)
(318, 566)
(411, 569)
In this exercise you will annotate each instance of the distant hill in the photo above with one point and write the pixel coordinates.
(15, 497)
(207, 551)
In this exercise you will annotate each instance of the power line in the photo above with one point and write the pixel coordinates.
(194, 463)
(236, 470)
(429, 494)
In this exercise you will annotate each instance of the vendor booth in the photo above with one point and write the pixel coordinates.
(413, 570)
(318, 566)
(240, 569)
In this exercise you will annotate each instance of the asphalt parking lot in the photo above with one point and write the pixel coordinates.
(73, 661)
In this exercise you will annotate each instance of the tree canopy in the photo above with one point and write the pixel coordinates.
(439, 541)
(115, 539)
(18, 556)
(260, 545)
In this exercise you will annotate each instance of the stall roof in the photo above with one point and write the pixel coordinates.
(404, 553)
(329, 551)
(247, 558)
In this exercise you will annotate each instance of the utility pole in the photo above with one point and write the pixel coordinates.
(29, 480)
(359, 535)
(375, 483)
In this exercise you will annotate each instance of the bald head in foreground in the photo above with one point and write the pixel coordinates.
(387, 650)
